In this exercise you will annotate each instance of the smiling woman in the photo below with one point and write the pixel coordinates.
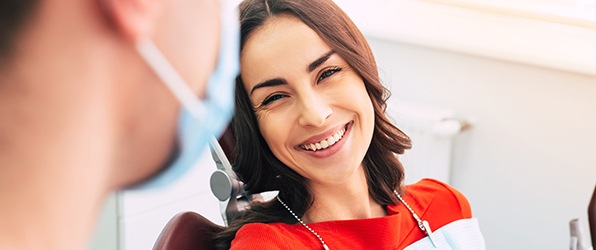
(310, 122)
(308, 98)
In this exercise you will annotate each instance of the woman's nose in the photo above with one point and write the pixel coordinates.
(314, 111)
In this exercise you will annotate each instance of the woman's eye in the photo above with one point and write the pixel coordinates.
(272, 98)
(328, 73)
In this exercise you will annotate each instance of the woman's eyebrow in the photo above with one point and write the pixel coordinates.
(279, 81)
(269, 83)
(316, 63)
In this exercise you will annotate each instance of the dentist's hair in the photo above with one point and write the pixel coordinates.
(14, 15)
(254, 162)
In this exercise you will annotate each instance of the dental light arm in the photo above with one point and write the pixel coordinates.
(226, 186)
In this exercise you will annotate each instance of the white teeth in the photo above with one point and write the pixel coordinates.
(331, 141)
(326, 142)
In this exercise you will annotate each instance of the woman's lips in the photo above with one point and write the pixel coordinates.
(320, 150)
(327, 142)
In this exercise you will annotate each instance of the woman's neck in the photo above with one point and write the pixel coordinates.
(348, 200)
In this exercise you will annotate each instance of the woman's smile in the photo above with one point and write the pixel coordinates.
(331, 143)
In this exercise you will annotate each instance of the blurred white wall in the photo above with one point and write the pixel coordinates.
(527, 164)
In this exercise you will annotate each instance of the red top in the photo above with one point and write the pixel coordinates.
(434, 201)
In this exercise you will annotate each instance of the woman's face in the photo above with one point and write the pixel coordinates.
(312, 108)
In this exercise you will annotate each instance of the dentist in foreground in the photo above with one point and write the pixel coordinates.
(101, 95)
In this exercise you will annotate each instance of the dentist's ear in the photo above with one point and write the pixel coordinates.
(133, 18)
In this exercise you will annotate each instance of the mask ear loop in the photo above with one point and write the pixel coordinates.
(166, 72)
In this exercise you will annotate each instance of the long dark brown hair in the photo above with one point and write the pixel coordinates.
(254, 162)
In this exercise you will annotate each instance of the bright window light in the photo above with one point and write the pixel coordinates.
(575, 12)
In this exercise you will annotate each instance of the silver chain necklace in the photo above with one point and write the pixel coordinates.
(422, 224)
(325, 247)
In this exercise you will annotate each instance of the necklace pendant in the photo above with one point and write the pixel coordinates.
(429, 232)
(325, 247)
(426, 227)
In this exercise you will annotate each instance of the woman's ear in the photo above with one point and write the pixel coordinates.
(133, 18)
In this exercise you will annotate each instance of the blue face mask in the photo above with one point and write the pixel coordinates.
(200, 120)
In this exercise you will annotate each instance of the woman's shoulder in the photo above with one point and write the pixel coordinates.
(263, 236)
(431, 195)
(257, 236)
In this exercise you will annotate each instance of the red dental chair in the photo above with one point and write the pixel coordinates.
(187, 231)
(191, 231)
